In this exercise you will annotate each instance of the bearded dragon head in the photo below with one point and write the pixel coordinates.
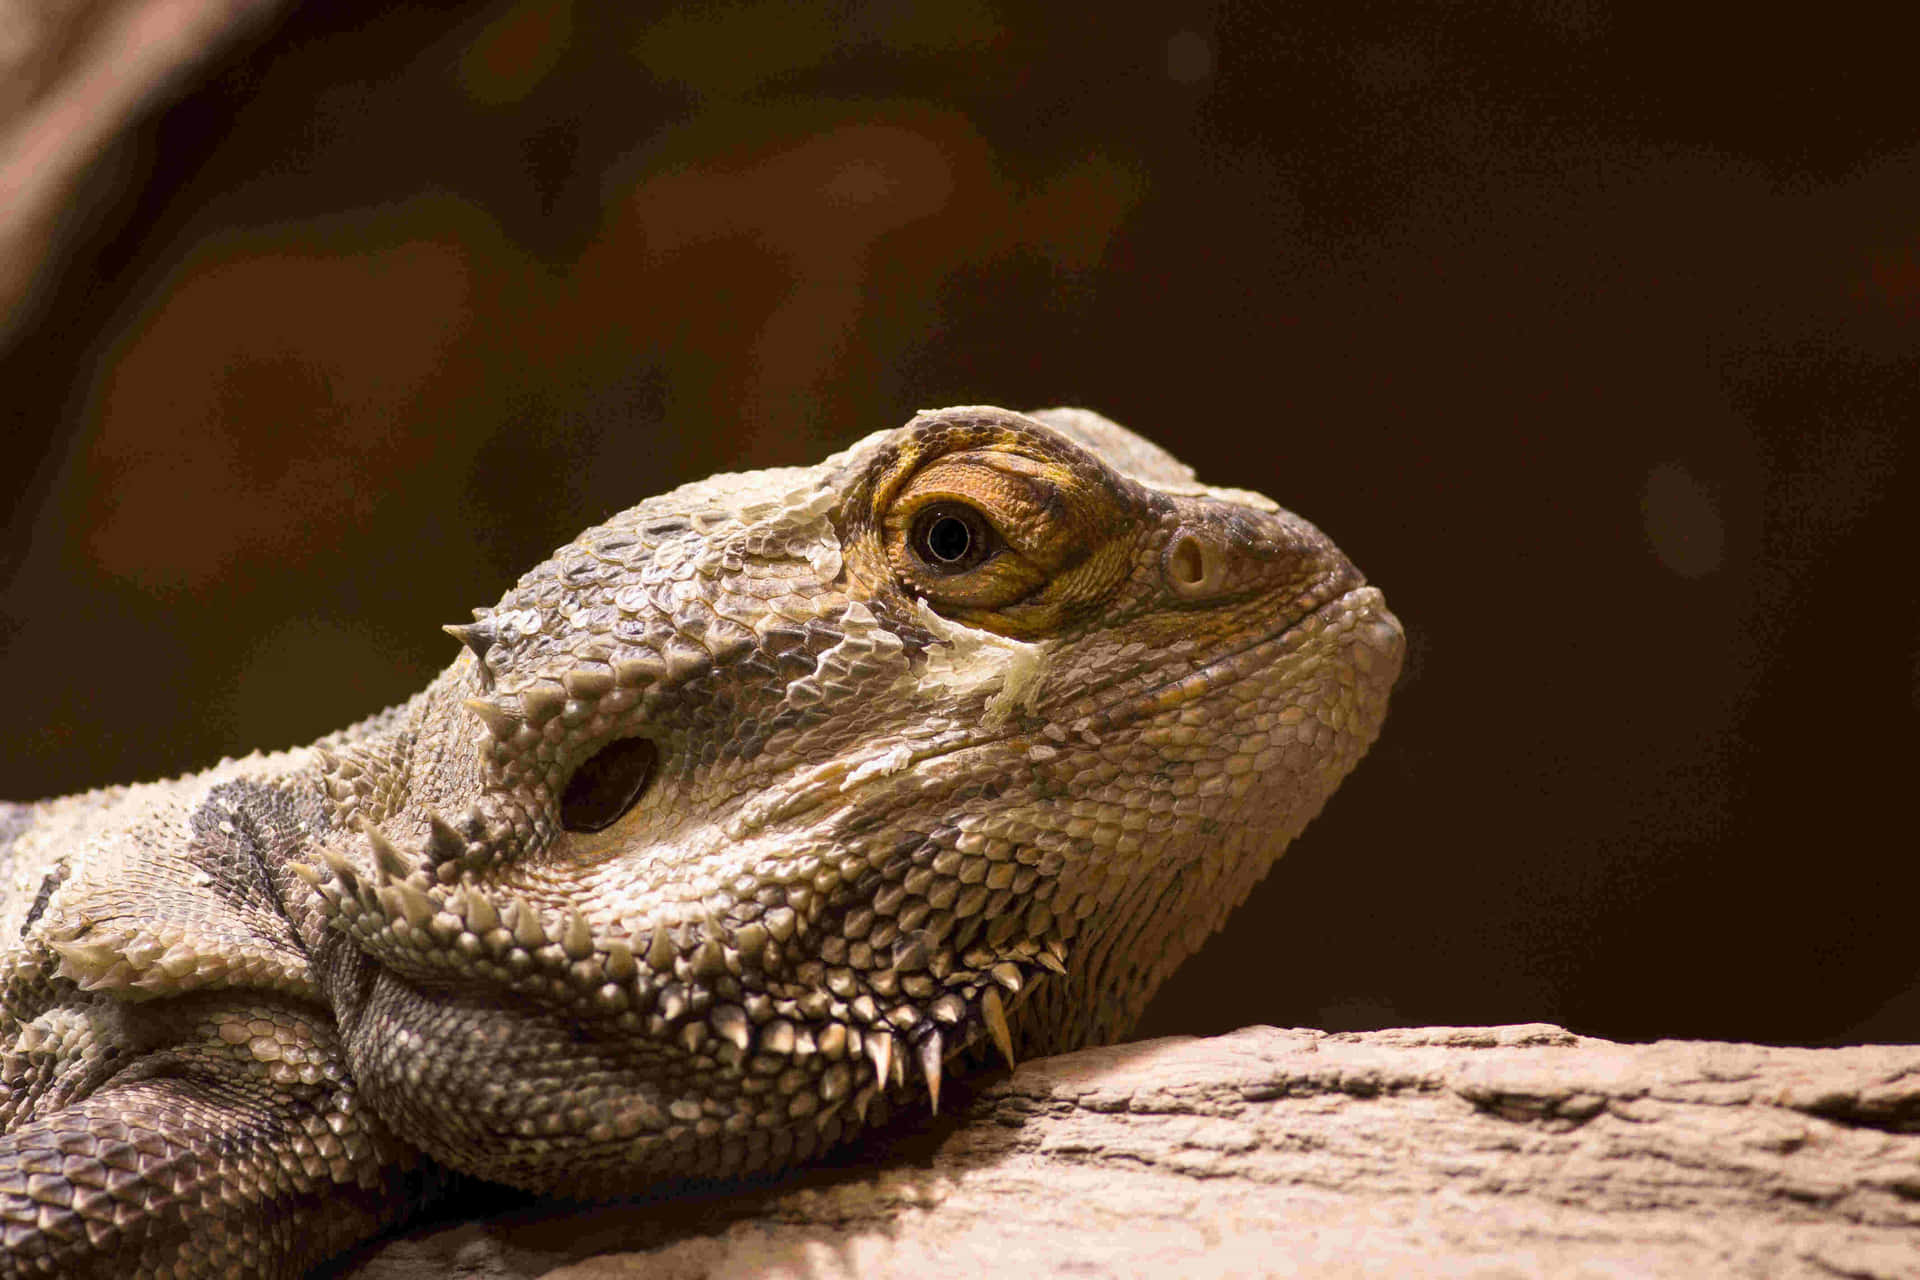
(770, 797)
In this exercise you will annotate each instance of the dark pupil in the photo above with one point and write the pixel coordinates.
(606, 786)
(949, 539)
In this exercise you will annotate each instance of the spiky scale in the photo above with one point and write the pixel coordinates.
(778, 1037)
(661, 953)
(342, 869)
(994, 1014)
(930, 1051)
(444, 842)
(709, 960)
(620, 963)
(879, 1047)
(478, 636)
(482, 915)
(729, 1022)
(527, 931)
(501, 723)
(587, 683)
(576, 937)
(388, 861)
(542, 702)
(415, 906)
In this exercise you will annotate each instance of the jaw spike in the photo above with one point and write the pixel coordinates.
(879, 1047)
(342, 870)
(660, 952)
(501, 723)
(387, 858)
(526, 926)
(620, 965)
(444, 844)
(995, 1015)
(930, 1048)
(1048, 960)
(482, 915)
(401, 900)
(576, 939)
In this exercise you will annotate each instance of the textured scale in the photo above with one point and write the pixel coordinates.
(898, 800)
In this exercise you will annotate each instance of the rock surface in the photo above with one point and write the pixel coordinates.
(1496, 1151)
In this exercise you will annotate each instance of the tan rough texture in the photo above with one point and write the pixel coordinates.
(1491, 1152)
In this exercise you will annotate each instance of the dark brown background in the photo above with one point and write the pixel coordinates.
(1589, 331)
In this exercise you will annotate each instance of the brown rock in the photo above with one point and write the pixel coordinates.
(1493, 1151)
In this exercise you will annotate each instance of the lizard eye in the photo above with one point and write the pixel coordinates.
(952, 537)
(607, 784)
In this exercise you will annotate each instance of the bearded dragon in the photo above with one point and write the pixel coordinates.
(746, 817)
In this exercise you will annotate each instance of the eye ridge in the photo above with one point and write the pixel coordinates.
(607, 784)
(953, 537)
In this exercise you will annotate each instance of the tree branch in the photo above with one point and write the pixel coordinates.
(1505, 1150)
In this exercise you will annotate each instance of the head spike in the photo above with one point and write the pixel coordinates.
(500, 722)
(931, 1049)
(478, 636)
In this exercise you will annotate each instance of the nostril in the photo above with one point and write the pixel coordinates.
(1194, 566)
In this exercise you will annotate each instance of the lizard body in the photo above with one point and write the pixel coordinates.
(735, 823)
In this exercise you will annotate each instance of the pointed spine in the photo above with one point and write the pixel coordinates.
(879, 1047)
(478, 636)
(387, 858)
(576, 939)
(526, 926)
(444, 843)
(501, 723)
(931, 1049)
(994, 1014)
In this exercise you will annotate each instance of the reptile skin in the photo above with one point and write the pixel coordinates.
(736, 823)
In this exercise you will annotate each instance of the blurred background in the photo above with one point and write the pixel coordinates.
(1590, 331)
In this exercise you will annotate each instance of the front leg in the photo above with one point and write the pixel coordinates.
(239, 1149)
